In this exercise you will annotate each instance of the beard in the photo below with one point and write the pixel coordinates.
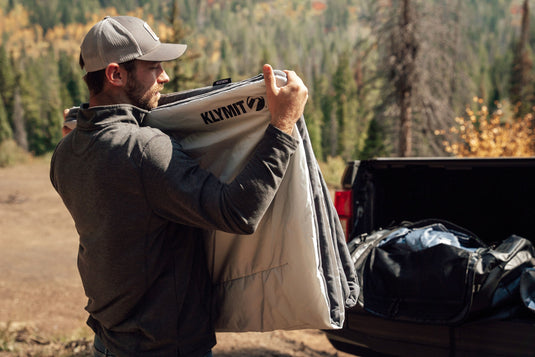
(140, 96)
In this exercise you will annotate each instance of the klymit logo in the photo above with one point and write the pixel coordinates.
(233, 110)
(257, 103)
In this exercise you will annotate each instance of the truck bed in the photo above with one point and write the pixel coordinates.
(493, 198)
(368, 335)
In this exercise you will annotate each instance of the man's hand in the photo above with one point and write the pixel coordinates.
(286, 103)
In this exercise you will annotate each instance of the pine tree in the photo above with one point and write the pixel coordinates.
(73, 90)
(7, 82)
(522, 95)
(346, 108)
(416, 57)
(179, 79)
(314, 126)
(44, 13)
(406, 49)
(375, 143)
(5, 128)
(42, 105)
(19, 124)
(324, 98)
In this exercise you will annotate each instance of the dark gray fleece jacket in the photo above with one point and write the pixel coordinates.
(141, 208)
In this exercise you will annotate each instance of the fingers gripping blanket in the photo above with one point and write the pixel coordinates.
(295, 271)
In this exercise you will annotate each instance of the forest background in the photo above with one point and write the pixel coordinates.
(385, 77)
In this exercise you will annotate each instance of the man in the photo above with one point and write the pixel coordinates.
(142, 206)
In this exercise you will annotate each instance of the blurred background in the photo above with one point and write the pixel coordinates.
(386, 77)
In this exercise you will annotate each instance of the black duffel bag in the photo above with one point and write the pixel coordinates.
(436, 272)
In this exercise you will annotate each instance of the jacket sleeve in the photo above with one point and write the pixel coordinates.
(179, 190)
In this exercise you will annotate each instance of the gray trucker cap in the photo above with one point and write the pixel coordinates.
(123, 38)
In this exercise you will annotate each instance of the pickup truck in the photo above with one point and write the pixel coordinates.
(492, 197)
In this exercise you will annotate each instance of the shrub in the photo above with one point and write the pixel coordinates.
(483, 134)
(332, 170)
(11, 153)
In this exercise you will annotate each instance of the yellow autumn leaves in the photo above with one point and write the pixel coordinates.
(480, 133)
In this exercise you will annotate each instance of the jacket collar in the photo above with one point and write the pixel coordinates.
(100, 116)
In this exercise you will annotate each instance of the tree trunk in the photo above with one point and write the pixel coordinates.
(405, 134)
(19, 126)
(521, 93)
(407, 55)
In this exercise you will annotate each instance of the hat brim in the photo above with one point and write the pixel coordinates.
(164, 52)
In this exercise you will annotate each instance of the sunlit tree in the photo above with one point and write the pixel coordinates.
(480, 133)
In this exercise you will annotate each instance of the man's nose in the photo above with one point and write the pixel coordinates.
(163, 77)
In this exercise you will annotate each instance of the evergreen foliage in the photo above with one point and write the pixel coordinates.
(376, 142)
(5, 128)
(345, 51)
(7, 81)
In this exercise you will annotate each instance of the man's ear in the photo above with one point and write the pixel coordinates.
(116, 75)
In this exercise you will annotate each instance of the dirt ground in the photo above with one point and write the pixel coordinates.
(41, 297)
